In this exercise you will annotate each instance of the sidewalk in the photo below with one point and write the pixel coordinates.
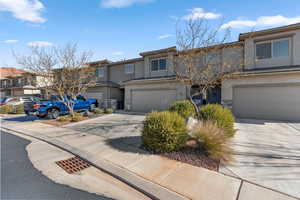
(158, 177)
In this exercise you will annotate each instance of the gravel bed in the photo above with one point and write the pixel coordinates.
(194, 157)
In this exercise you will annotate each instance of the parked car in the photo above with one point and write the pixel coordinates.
(18, 100)
(54, 108)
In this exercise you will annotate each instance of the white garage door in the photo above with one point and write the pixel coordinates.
(267, 102)
(148, 100)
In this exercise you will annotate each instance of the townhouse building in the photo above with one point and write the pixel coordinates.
(267, 88)
(19, 84)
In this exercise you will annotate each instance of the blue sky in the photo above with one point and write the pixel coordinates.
(119, 29)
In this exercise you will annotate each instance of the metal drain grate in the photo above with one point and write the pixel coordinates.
(73, 165)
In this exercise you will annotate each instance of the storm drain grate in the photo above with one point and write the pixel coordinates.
(73, 165)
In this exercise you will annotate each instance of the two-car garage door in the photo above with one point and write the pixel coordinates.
(267, 102)
(148, 100)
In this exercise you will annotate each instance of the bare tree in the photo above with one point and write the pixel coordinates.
(204, 57)
(61, 71)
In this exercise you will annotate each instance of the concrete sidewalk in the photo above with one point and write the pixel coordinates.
(158, 177)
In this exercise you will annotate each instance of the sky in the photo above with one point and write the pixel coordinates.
(121, 29)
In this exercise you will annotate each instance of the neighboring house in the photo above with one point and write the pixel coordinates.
(16, 83)
(148, 83)
(269, 87)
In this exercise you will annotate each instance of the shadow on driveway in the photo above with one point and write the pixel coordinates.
(130, 144)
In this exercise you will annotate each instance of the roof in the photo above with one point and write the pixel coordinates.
(126, 61)
(280, 29)
(100, 62)
(215, 47)
(10, 71)
(166, 50)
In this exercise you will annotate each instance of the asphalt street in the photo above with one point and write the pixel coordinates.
(20, 180)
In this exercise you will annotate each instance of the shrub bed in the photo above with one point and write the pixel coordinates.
(164, 132)
(108, 111)
(223, 117)
(12, 109)
(97, 111)
(183, 108)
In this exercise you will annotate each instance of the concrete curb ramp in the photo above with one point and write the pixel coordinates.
(157, 177)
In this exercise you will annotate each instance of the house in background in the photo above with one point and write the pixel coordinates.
(269, 86)
(16, 82)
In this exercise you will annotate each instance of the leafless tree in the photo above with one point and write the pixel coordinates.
(204, 57)
(61, 71)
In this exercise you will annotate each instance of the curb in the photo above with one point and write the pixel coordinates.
(148, 188)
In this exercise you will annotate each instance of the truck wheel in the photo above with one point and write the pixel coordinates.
(53, 114)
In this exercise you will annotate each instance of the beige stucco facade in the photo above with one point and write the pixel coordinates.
(268, 88)
(145, 90)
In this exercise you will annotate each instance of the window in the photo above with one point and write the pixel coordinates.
(159, 65)
(100, 72)
(129, 68)
(263, 50)
(281, 48)
(272, 49)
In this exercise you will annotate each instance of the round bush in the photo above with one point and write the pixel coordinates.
(213, 140)
(223, 117)
(97, 111)
(19, 109)
(183, 108)
(164, 132)
(108, 111)
(6, 109)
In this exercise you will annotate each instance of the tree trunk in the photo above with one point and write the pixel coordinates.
(204, 96)
(193, 103)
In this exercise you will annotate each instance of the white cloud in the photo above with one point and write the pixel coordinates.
(199, 13)
(118, 53)
(11, 41)
(121, 3)
(27, 10)
(164, 36)
(40, 44)
(277, 20)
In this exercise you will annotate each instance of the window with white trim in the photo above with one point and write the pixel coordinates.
(100, 72)
(159, 64)
(129, 68)
(272, 49)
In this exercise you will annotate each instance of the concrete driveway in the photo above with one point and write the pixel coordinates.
(115, 127)
(268, 153)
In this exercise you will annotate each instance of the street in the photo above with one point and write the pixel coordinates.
(20, 180)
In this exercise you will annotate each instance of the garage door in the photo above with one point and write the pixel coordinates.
(267, 102)
(148, 100)
(94, 95)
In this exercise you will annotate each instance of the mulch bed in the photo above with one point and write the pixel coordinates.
(54, 122)
(194, 156)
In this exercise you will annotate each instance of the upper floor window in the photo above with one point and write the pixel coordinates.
(272, 49)
(100, 72)
(129, 68)
(159, 65)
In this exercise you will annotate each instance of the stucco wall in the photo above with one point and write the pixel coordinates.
(293, 59)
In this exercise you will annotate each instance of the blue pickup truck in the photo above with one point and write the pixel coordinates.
(54, 108)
